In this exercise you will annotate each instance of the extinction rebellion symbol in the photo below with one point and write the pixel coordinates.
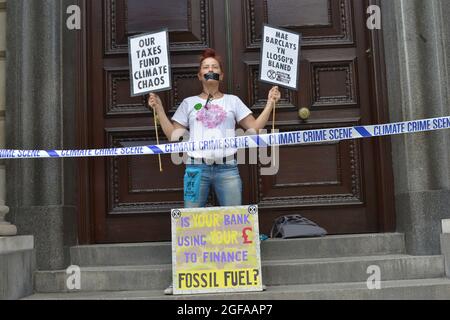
(176, 214)
(252, 210)
(272, 74)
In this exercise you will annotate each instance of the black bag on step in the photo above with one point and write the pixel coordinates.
(295, 226)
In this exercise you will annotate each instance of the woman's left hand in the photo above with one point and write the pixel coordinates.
(274, 95)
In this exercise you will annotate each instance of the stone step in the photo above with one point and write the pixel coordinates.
(273, 249)
(416, 289)
(277, 272)
(352, 269)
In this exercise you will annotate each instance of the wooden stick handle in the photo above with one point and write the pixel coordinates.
(273, 131)
(157, 141)
(273, 120)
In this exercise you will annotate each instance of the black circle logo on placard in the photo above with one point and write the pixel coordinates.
(176, 214)
(252, 210)
(272, 74)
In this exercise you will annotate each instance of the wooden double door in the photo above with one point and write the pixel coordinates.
(345, 187)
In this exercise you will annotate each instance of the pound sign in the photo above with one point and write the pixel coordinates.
(245, 235)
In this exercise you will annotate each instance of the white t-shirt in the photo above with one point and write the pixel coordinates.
(216, 121)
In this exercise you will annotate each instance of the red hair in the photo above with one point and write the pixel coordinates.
(210, 53)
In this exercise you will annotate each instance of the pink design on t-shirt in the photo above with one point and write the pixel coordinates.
(212, 116)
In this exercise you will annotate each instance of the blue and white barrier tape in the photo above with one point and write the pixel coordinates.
(242, 142)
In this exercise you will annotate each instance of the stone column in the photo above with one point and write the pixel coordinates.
(6, 229)
(417, 45)
(445, 245)
(40, 114)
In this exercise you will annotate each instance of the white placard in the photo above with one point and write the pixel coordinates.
(149, 63)
(279, 57)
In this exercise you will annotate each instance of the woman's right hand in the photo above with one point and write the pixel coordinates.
(155, 102)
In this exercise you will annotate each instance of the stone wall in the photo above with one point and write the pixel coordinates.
(417, 43)
(6, 229)
(17, 264)
(2, 70)
(40, 99)
(40, 113)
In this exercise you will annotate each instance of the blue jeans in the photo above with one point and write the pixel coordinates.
(225, 180)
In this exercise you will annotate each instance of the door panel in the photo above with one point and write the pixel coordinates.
(132, 198)
(325, 182)
(335, 184)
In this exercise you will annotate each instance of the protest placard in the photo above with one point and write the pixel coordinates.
(216, 250)
(279, 57)
(149, 63)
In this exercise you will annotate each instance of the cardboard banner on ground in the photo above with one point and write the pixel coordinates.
(149, 63)
(216, 250)
(279, 57)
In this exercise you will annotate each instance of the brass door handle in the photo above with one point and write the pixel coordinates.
(304, 113)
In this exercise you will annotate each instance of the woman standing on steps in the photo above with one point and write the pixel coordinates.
(211, 115)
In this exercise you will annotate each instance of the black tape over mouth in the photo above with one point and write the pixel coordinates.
(212, 76)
